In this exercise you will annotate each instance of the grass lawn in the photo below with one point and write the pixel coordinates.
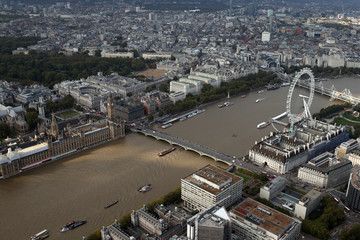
(68, 114)
(343, 121)
(246, 178)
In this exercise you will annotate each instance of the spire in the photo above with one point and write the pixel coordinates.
(54, 126)
(110, 108)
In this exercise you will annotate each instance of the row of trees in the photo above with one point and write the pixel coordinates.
(210, 94)
(328, 111)
(320, 225)
(350, 233)
(66, 103)
(324, 71)
(7, 44)
(49, 70)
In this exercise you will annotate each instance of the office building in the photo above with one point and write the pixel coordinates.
(353, 190)
(210, 224)
(354, 157)
(265, 37)
(346, 147)
(273, 188)
(325, 171)
(208, 186)
(256, 221)
(307, 204)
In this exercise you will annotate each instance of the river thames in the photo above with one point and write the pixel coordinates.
(77, 187)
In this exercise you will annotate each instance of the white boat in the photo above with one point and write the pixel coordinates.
(193, 114)
(285, 84)
(200, 111)
(258, 100)
(261, 91)
(182, 118)
(228, 104)
(166, 125)
(263, 124)
(280, 116)
(41, 235)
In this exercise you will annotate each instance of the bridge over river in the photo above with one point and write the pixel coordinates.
(187, 145)
(345, 95)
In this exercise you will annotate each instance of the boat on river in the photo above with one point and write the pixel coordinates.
(72, 225)
(166, 125)
(272, 87)
(111, 204)
(167, 151)
(263, 124)
(145, 188)
(40, 235)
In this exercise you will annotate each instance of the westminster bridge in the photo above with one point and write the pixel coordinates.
(187, 145)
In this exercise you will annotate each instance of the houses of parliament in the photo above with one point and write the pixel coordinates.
(51, 143)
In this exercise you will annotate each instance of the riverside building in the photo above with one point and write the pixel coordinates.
(56, 144)
(208, 186)
(308, 138)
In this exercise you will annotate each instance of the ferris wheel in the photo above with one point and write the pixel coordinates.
(306, 99)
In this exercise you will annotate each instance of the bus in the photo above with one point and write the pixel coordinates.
(346, 209)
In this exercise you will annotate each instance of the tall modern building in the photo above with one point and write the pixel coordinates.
(353, 191)
(209, 186)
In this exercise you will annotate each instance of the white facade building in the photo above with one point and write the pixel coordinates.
(307, 204)
(265, 37)
(325, 171)
(354, 157)
(177, 96)
(156, 55)
(283, 151)
(208, 186)
(273, 188)
(346, 147)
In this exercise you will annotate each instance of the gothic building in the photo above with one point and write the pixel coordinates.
(58, 144)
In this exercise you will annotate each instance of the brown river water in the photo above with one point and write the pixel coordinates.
(77, 187)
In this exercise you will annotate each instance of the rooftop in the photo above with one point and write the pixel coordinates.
(263, 216)
(212, 179)
(326, 163)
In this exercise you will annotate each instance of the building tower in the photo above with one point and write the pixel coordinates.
(110, 109)
(271, 23)
(41, 107)
(353, 190)
(54, 126)
(230, 9)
